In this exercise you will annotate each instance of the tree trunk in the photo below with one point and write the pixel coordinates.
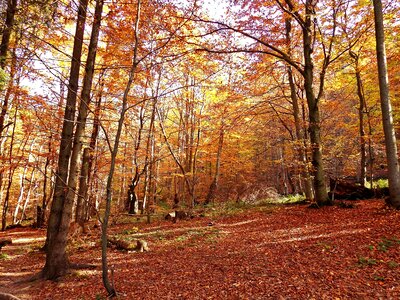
(8, 27)
(41, 210)
(321, 194)
(104, 239)
(90, 203)
(60, 215)
(133, 203)
(133, 200)
(22, 189)
(361, 111)
(83, 108)
(300, 136)
(149, 160)
(214, 184)
(10, 174)
(4, 109)
(83, 188)
(32, 187)
(20, 196)
(387, 118)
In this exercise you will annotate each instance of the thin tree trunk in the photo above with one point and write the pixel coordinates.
(194, 166)
(22, 188)
(370, 149)
(387, 118)
(149, 158)
(133, 200)
(83, 188)
(174, 156)
(90, 202)
(10, 175)
(106, 281)
(28, 195)
(361, 112)
(214, 184)
(41, 210)
(21, 195)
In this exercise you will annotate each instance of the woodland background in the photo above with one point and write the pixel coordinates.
(224, 116)
(137, 105)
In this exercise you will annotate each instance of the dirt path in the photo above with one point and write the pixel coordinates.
(288, 253)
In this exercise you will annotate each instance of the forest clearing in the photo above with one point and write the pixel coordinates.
(261, 252)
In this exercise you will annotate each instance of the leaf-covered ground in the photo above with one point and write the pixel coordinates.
(291, 252)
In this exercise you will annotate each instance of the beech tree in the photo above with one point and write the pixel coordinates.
(387, 118)
(57, 263)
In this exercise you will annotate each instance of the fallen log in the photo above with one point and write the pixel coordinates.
(138, 245)
(345, 190)
(176, 215)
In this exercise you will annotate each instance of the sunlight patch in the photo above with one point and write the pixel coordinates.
(15, 274)
(317, 236)
(238, 223)
(28, 240)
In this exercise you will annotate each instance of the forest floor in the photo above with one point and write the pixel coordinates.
(280, 252)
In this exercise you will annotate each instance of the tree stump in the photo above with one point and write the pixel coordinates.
(5, 242)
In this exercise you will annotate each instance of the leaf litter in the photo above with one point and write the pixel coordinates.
(283, 253)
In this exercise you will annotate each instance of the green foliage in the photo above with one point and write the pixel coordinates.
(226, 208)
(208, 235)
(324, 246)
(163, 206)
(380, 184)
(392, 264)
(379, 278)
(3, 256)
(3, 79)
(387, 243)
(290, 199)
(100, 297)
(365, 261)
(133, 230)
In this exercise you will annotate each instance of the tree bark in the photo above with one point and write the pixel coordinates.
(10, 174)
(386, 108)
(83, 107)
(60, 214)
(82, 193)
(41, 210)
(149, 160)
(321, 194)
(214, 184)
(104, 239)
(8, 27)
(300, 136)
(133, 200)
(32, 187)
(90, 203)
(361, 112)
